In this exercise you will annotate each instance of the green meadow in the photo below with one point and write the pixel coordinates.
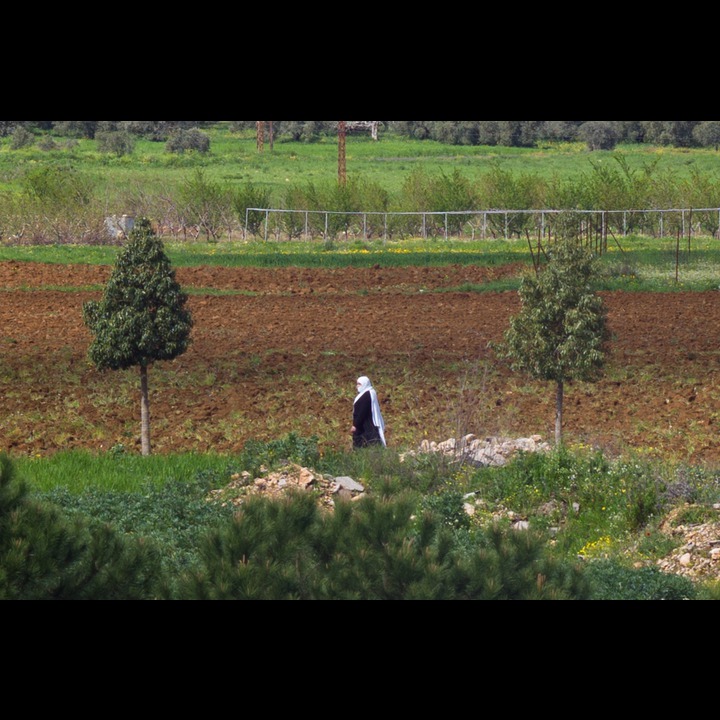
(234, 160)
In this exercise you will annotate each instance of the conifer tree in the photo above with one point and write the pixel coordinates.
(142, 318)
(561, 332)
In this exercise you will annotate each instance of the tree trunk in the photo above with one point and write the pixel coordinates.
(144, 411)
(559, 412)
(342, 152)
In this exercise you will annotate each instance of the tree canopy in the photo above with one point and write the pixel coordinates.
(512, 133)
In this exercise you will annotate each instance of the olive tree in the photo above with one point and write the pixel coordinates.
(600, 134)
(142, 317)
(561, 332)
(707, 134)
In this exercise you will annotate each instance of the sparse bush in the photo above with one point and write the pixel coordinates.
(204, 205)
(115, 143)
(251, 196)
(188, 140)
(21, 138)
(47, 144)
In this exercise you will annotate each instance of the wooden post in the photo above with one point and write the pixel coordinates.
(342, 152)
(261, 135)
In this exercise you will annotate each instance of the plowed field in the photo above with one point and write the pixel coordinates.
(279, 352)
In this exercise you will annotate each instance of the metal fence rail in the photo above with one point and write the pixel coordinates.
(481, 224)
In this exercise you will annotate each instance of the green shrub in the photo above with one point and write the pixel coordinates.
(709, 590)
(449, 506)
(613, 581)
(251, 196)
(204, 205)
(115, 143)
(187, 140)
(21, 138)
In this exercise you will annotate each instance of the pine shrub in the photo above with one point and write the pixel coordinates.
(374, 549)
(46, 555)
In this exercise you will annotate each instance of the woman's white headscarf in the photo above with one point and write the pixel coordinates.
(364, 386)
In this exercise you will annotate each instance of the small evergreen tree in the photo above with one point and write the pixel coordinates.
(561, 332)
(142, 317)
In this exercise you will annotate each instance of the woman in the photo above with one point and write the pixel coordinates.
(368, 424)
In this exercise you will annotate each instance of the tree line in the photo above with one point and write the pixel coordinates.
(598, 134)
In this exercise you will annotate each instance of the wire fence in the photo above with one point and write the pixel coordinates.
(598, 226)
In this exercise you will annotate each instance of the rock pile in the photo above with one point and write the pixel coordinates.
(698, 555)
(291, 477)
(488, 452)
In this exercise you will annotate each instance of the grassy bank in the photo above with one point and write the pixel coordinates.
(633, 263)
(116, 471)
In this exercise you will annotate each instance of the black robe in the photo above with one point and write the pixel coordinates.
(366, 433)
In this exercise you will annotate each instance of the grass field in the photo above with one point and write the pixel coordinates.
(234, 160)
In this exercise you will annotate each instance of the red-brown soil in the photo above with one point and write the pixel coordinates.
(281, 355)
